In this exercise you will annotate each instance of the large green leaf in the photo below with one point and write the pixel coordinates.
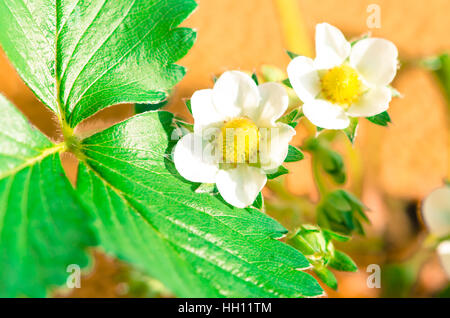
(196, 244)
(80, 56)
(43, 229)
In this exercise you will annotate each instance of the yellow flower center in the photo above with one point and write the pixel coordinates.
(240, 138)
(341, 85)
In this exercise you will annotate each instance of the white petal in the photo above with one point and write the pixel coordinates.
(304, 78)
(331, 46)
(326, 115)
(436, 211)
(376, 60)
(371, 103)
(203, 110)
(274, 145)
(240, 186)
(443, 250)
(194, 160)
(235, 94)
(274, 102)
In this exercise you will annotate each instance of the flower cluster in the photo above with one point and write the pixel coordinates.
(237, 140)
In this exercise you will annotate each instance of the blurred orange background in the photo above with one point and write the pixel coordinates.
(403, 162)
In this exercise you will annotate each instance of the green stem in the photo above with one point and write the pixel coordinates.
(321, 187)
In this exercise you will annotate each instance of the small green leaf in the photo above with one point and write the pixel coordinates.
(294, 154)
(326, 276)
(287, 82)
(352, 129)
(342, 262)
(382, 119)
(335, 236)
(291, 118)
(188, 105)
(255, 78)
(281, 171)
(292, 55)
(259, 202)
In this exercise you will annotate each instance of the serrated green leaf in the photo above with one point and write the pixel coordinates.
(382, 119)
(281, 171)
(343, 262)
(43, 228)
(294, 154)
(81, 57)
(197, 245)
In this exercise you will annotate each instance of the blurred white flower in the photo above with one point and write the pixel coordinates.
(436, 212)
(236, 139)
(443, 250)
(344, 81)
(436, 215)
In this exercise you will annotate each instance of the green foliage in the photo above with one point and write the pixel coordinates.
(292, 55)
(281, 171)
(326, 276)
(440, 65)
(352, 129)
(294, 154)
(79, 58)
(342, 212)
(316, 244)
(343, 262)
(382, 119)
(197, 245)
(43, 228)
(291, 118)
(330, 161)
(141, 108)
(259, 202)
(255, 78)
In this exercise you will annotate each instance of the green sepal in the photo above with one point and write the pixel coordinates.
(280, 171)
(382, 119)
(294, 154)
(259, 202)
(342, 262)
(292, 55)
(352, 129)
(326, 276)
(287, 82)
(255, 78)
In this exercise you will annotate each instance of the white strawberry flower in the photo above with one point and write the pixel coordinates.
(436, 215)
(236, 139)
(344, 81)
